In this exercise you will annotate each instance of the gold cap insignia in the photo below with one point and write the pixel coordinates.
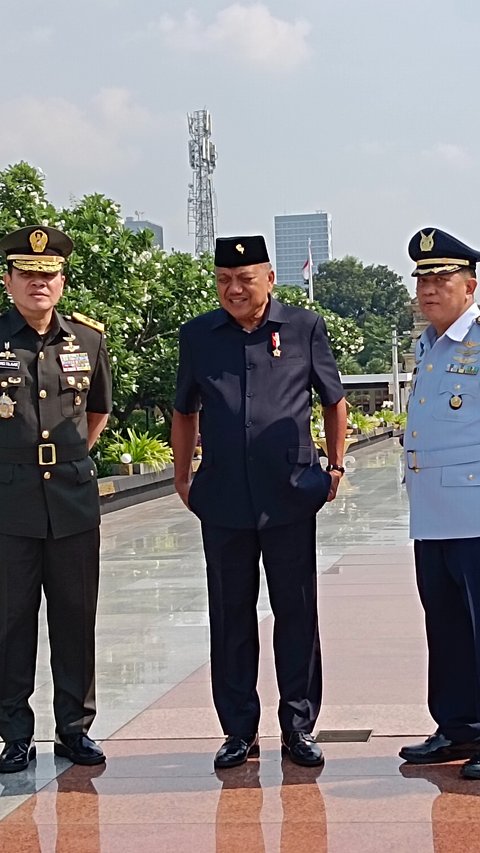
(38, 240)
(426, 242)
(240, 248)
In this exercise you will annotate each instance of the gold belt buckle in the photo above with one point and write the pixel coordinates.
(53, 452)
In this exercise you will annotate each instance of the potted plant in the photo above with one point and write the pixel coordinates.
(147, 453)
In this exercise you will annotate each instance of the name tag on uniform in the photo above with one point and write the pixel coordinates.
(8, 364)
(73, 361)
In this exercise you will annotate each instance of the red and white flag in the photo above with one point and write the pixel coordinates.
(307, 268)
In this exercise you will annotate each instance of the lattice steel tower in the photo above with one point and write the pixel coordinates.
(201, 195)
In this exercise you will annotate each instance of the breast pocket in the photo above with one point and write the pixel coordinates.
(458, 399)
(73, 395)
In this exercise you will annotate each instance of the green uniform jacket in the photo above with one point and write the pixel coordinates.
(48, 383)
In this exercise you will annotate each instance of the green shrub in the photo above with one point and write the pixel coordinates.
(141, 446)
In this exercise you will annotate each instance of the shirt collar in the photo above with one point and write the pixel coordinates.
(458, 329)
(275, 313)
(17, 322)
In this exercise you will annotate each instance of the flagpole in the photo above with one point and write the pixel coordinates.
(310, 271)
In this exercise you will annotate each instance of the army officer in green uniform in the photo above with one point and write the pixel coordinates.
(55, 395)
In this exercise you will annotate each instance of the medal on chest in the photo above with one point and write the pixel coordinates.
(276, 351)
(6, 406)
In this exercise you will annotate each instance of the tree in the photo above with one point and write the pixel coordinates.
(353, 290)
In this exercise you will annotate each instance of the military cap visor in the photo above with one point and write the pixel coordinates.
(36, 248)
(240, 251)
(436, 252)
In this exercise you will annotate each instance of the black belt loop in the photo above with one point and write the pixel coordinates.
(44, 454)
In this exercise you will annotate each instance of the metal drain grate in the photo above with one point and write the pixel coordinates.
(344, 736)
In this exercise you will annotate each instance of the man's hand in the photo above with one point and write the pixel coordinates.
(183, 488)
(336, 477)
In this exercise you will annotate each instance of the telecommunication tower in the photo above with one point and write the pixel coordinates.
(201, 195)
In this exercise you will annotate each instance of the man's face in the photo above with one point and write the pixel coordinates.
(442, 299)
(34, 293)
(243, 291)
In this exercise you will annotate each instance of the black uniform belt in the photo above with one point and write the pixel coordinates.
(44, 454)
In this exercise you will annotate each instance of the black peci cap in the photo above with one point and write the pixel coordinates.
(240, 251)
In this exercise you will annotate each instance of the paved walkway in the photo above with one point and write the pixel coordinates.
(158, 791)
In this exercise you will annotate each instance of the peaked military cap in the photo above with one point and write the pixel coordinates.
(240, 251)
(37, 248)
(437, 252)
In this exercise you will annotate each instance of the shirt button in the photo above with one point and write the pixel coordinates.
(429, 367)
(45, 433)
(47, 475)
(416, 470)
(42, 394)
(249, 394)
(249, 423)
(4, 384)
(250, 366)
(414, 433)
(41, 355)
(457, 387)
(421, 400)
(471, 476)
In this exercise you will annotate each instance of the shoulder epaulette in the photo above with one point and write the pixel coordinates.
(87, 321)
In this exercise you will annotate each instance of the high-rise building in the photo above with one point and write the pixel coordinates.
(292, 233)
(140, 225)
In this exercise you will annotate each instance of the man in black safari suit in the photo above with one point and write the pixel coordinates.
(55, 395)
(245, 381)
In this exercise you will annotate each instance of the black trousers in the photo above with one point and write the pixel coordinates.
(448, 577)
(289, 559)
(68, 571)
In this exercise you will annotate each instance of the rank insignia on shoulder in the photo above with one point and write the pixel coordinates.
(88, 321)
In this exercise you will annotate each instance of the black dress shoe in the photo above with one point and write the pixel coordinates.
(236, 750)
(16, 755)
(471, 770)
(78, 748)
(437, 749)
(302, 749)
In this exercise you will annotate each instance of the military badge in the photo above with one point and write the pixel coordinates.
(455, 402)
(70, 347)
(240, 248)
(6, 406)
(7, 358)
(426, 241)
(38, 240)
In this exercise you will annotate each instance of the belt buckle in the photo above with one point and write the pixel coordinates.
(52, 449)
(413, 467)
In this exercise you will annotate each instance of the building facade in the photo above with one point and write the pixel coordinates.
(141, 224)
(292, 233)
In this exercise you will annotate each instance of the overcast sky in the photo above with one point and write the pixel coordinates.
(365, 108)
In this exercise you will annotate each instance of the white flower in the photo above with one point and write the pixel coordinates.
(17, 213)
(95, 248)
(114, 359)
(115, 251)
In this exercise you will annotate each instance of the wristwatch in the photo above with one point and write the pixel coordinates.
(338, 468)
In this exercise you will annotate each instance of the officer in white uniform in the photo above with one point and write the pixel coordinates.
(442, 462)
